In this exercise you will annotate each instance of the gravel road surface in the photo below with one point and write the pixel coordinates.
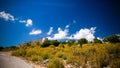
(7, 61)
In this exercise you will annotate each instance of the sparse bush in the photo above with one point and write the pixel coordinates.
(36, 58)
(19, 52)
(45, 56)
(55, 63)
(38, 43)
(52, 46)
(98, 55)
(61, 55)
(115, 63)
(33, 51)
(61, 45)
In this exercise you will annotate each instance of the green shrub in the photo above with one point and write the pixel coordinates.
(52, 46)
(61, 46)
(98, 55)
(50, 42)
(36, 58)
(115, 63)
(55, 63)
(97, 40)
(61, 55)
(45, 56)
(76, 61)
(112, 39)
(19, 52)
(113, 49)
(33, 51)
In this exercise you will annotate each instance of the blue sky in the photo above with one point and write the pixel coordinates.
(28, 20)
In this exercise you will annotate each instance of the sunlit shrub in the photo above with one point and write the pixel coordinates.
(19, 52)
(52, 46)
(76, 61)
(36, 58)
(33, 51)
(61, 55)
(115, 63)
(45, 56)
(61, 45)
(98, 55)
(113, 49)
(55, 63)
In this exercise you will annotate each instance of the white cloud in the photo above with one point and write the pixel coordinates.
(27, 22)
(59, 29)
(6, 16)
(35, 32)
(62, 34)
(99, 38)
(22, 21)
(67, 26)
(50, 31)
(85, 33)
(82, 33)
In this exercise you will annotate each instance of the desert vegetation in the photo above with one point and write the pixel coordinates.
(72, 54)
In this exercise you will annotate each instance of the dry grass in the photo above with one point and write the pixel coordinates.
(98, 55)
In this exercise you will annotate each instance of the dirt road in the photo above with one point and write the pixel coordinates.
(7, 61)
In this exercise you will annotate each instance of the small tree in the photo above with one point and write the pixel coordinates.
(50, 42)
(1, 48)
(27, 43)
(38, 43)
(71, 42)
(54, 42)
(13, 48)
(82, 41)
(97, 40)
(46, 43)
(112, 39)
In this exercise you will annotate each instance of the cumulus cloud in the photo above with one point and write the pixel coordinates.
(22, 21)
(62, 34)
(35, 32)
(50, 31)
(27, 22)
(82, 33)
(85, 33)
(67, 26)
(9, 17)
(6, 16)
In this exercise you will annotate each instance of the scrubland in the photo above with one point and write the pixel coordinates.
(94, 55)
